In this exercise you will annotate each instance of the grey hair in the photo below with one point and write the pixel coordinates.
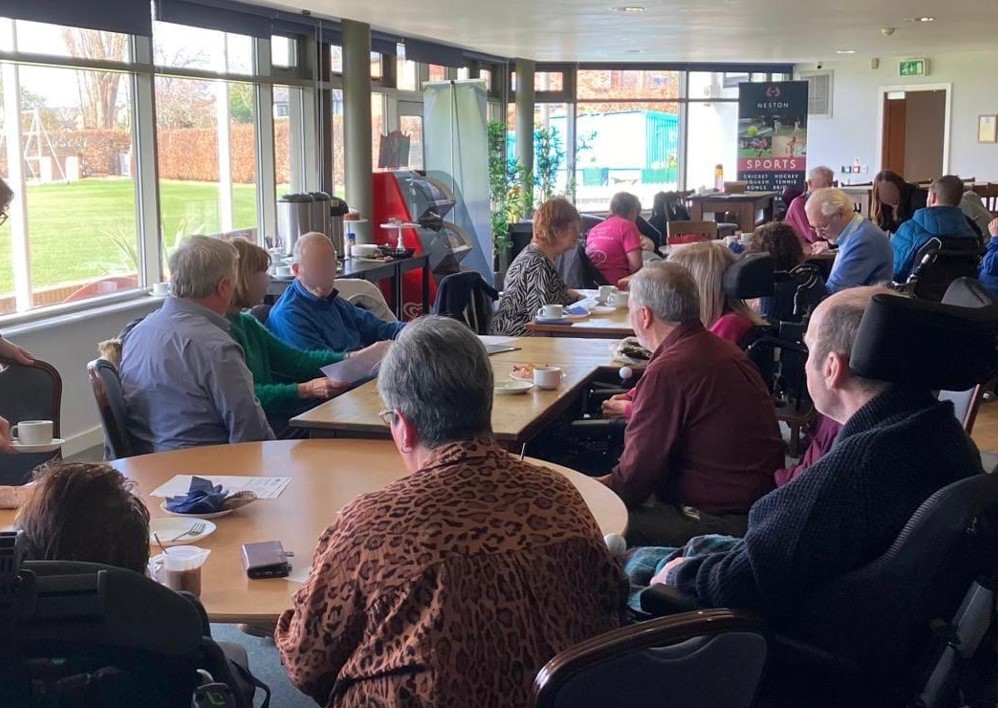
(832, 201)
(199, 263)
(839, 325)
(438, 376)
(822, 170)
(305, 239)
(668, 290)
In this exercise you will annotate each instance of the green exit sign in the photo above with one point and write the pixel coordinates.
(913, 67)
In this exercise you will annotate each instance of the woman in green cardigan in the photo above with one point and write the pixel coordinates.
(287, 380)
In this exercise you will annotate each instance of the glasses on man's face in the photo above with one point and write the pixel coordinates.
(388, 416)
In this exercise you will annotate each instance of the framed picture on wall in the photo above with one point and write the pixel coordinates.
(987, 129)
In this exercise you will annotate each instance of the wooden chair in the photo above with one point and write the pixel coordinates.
(707, 230)
(110, 400)
(990, 197)
(28, 392)
(671, 661)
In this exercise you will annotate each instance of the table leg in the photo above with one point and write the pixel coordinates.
(426, 286)
(746, 217)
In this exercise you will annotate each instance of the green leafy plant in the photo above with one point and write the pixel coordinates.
(549, 153)
(510, 191)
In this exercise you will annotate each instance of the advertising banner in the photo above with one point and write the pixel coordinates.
(772, 135)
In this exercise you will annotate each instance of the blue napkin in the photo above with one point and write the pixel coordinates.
(576, 310)
(202, 498)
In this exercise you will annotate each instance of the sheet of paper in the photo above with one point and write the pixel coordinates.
(360, 366)
(263, 487)
(488, 339)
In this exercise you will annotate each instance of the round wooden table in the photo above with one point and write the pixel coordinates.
(326, 475)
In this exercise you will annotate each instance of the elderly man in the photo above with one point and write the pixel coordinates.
(468, 563)
(820, 177)
(702, 441)
(312, 315)
(184, 378)
(942, 217)
(863, 254)
(898, 446)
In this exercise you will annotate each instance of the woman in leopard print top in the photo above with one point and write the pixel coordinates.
(455, 585)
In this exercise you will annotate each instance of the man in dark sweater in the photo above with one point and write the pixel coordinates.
(898, 446)
(702, 440)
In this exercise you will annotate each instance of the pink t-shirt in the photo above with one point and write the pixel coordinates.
(608, 244)
(731, 327)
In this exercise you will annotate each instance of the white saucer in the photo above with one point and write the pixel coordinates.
(512, 388)
(216, 515)
(47, 447)
(169, 527)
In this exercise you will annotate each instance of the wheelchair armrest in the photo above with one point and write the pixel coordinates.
(602, 394)
(598, 426)
(662, 600)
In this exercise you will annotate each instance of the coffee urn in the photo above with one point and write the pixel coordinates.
(294, 218)
(337, 210)
(320, 212)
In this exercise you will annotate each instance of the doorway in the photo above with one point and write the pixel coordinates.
(914, 140)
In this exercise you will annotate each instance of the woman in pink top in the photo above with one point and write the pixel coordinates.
(614, 245)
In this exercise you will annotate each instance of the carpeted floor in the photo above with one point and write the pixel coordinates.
(266, 666)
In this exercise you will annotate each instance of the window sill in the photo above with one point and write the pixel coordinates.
(29, 322)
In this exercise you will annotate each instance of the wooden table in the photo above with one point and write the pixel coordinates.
(610, 326)
(375, 271)
(748, 207)
(326, 475)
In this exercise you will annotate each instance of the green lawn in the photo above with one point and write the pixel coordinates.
(76, 231)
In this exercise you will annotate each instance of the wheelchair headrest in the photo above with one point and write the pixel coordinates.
(968, 292)
(750, 276)
(925, 344)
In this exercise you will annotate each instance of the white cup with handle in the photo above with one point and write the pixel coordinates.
(605, 291)
(547, 377)
(551, 312)
(618, 299)
(32, 432)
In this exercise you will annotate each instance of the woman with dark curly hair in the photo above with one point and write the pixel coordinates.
(779, 240)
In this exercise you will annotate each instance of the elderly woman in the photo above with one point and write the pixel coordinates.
(725, 315)
(614, 245)
(532, 280)
(894, 200)
(8, 350)
(476, 560)
(286, 380)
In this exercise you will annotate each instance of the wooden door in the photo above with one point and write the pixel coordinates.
(895, 130)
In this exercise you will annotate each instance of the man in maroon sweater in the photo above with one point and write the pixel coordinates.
(702, 442)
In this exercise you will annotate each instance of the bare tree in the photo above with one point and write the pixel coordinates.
(98, 89)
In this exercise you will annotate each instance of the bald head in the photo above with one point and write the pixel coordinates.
(835, 321)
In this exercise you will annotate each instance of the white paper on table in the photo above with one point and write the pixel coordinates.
(361, 365)
(299, 574)
(263, 487)
(488, 339)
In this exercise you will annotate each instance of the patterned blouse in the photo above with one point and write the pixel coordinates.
(531, 282)
(451, 587)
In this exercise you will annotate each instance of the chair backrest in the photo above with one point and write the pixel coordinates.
(28, 392)
(110, 400)
(941, 261)
(706, 229)
(592, 276)
(466, 297)
(965, 405)
(672, 661)
(968, 292)
(366, 295)
(948, 543)
(588, 221)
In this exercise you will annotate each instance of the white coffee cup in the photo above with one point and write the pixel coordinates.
(618, 299)
(282, 271)
(160, 289)
(605, 291)
(551, 312)
(547, 376)
(32, 432)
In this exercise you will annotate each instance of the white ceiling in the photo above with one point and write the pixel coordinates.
(678, 30)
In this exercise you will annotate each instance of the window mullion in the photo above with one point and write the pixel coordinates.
(147, 205)
(18, 211)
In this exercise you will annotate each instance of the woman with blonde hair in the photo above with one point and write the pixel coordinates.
(286, 380)
(726, 316)
(532, 280)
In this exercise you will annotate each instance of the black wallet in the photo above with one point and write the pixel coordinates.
(266, 560)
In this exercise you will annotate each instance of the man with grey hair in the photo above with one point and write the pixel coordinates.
(312, 315)
(863, 253)
(702, 442)
(819, 177)
(184, 378)
(471, 557)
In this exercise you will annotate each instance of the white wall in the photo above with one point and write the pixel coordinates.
(854, 127)
(68, 344)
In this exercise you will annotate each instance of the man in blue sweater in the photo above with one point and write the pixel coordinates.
(864, 253)
(312, 315)
(942, 217)
(898, 446)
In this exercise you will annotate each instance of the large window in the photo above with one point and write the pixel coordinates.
(72, 234)
(183, 47)
(339, 164)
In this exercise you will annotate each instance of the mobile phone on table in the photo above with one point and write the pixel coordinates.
(266, 560)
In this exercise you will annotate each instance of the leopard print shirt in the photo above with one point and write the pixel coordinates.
(451, 587)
